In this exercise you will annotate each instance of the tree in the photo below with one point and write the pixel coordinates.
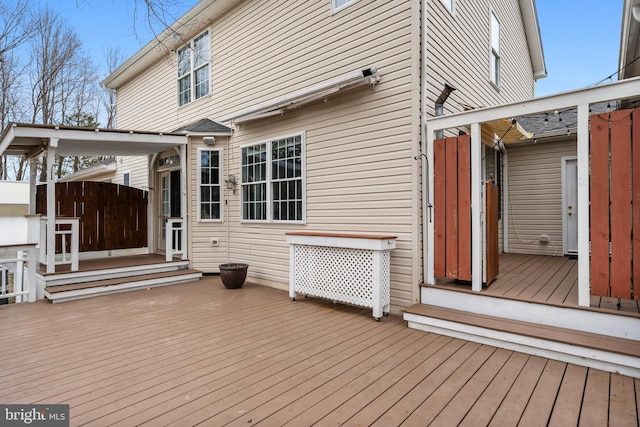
(114, 58)
(14, 31)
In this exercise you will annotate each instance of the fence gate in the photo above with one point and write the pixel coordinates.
(452, 174)
(615, 204)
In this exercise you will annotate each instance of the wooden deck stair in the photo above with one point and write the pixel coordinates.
(112, 276)
(561, 343)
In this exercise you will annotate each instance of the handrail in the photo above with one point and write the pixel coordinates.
(73, 232)
(173, 232)
(19, 291)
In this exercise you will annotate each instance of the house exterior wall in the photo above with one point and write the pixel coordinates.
(14, 198)
(360, 146)
(535, 196)
(137, 166)
(459, 51)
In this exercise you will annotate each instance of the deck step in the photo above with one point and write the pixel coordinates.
(584, 348)
(61, 293)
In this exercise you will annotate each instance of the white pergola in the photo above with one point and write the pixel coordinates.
(580, 99)
(33, 141)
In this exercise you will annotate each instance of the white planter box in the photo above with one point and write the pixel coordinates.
(349, 268)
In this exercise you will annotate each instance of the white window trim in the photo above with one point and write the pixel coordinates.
(221, 180)
(192, 71)
(303, 155)
(452, 3)
(496, 82)
(335, 8)
(130, 176)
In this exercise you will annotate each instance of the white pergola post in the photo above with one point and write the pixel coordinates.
(51, 206)
(33, 173)
(183, 199)
(584, 278)
(427, 213)
(476, 208)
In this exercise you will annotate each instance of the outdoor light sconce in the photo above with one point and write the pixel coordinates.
(231, 183)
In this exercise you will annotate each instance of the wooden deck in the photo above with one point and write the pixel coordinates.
(543, 279)
(198, 353)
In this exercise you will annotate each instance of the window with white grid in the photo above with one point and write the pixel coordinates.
(273, 180)
(495, 50)
(210, 185)
(193, 69)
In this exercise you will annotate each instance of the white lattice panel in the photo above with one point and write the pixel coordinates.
(342, 274)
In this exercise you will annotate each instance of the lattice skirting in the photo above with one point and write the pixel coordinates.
(344, 275)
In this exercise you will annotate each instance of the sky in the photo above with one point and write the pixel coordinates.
(581, 38)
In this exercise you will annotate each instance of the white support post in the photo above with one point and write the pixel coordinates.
(584, 279)
(427, 217)
(33, 172)
(168, 239)
(476, 208)
(183, 200)
(75, 244)
(51, 206)
(505, 205)
(18, 279)
(31, 275)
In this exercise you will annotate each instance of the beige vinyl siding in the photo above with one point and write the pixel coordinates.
(535, 196)
(203, 256)
(138, 166)
(458, 54)
(361, 175)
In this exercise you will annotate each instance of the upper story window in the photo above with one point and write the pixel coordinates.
(338, 4)
(193, 69)
(272, 180)
(495, 50)
(210, 185)
(449, 4)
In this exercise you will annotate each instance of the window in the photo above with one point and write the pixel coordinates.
(338, 4)
(126, 179)
(193, 69)
(272, 180)
(495, 50)
(210, 185)
(449, 4)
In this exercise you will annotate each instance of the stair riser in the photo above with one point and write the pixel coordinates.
(612, 325)
(598, 359)
(115, 273)
(124, 287)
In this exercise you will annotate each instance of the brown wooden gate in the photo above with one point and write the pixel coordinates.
(452, 204)
(111, 216)
(615, 203)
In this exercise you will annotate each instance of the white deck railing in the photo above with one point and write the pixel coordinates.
(173, 237)
(67, 229)
(13, 282)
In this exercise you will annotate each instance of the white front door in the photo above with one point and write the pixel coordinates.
(570, 205)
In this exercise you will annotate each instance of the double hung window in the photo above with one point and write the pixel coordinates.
(272, 180)
(210, 185)
(193, 69)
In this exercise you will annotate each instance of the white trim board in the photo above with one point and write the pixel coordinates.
(578, 319)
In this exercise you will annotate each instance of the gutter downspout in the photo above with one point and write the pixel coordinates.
(439, 106)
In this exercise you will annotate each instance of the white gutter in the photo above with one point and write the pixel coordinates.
(534, 40)
(295, 99)
(180, 32)
(428, 275)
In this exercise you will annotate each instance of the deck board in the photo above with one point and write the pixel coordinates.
(198, 353)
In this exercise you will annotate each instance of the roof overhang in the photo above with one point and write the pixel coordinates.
(93, 172)
(628, 64)
(280, 105)
(31, 140)
(534, 40)
(176, 35)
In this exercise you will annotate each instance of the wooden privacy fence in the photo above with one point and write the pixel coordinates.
(111, 216)
(615, 204)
